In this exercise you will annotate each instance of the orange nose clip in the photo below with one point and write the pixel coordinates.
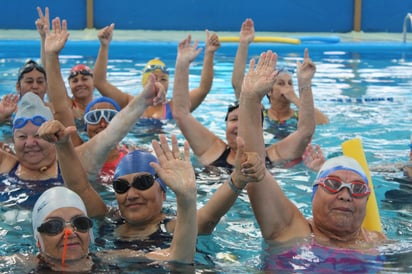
(67, 232)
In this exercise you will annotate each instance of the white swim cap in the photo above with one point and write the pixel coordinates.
(30, 105)
(52, 199)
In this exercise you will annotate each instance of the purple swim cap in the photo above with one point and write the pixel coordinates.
(137, 161)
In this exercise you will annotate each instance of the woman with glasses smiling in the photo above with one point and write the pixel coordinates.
(158, 68)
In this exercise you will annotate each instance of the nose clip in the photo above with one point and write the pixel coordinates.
(67, 232)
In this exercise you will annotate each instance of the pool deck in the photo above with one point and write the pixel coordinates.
(144, 35)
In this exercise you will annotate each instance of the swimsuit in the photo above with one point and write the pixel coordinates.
(281, 129)
(15, 191)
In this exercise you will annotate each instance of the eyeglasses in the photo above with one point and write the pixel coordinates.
(334, 184)
(56, 225)
(37, 120)
(231, 108)
(150, 68)
(94, 117)
(140, 182)
(29, 66)
(83, 72)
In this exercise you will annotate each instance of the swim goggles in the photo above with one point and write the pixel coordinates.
(140, 182)
(29, 66)
(56, 225)
(83, 72)
(150, 68)
(231, 108)
(334, 184)
(37, 120)
(94, 117)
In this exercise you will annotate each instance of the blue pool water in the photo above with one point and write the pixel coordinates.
(364, 88)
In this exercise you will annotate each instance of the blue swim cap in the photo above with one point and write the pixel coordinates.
(102, 99)
(137, 161)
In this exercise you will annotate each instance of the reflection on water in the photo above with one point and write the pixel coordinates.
(236, 244)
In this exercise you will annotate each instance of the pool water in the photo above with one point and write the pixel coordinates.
(365, 90)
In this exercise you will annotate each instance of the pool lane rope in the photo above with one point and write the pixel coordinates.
(353, 148)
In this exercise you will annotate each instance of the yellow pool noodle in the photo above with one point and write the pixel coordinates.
(353, 148)
(268, 39)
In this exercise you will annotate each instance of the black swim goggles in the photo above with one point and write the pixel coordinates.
(140, 182)
(83, 72)
(56, 225)
(28, 67)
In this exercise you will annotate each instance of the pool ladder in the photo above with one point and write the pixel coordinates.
(408, 17)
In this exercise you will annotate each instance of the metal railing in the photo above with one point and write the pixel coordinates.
(408, 17)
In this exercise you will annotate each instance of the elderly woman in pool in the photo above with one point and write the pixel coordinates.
(213, 151)
(281, 118)
(340, 190)
(63, 234)
(161, 72)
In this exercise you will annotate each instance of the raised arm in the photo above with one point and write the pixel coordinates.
(278, 217)
(247, 34)
(198, 94)
(94, 152)
(56, 89)
(41, 22)
(73, 173)
(105, 36)
(294, 145)
(176, 170)
(202, 141)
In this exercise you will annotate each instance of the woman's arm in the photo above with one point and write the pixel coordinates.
(94, 152)
(56, 89)
(197, 95)
(105, 36)
(247, 34)
(206, 145)
(72, 170)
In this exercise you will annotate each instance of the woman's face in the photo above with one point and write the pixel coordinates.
(92, 130)
(31, 150)
(140, 206)
(33, 81)
(82, 86)
(77, 246)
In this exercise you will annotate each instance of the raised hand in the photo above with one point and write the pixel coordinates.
(42, 21)
(54, 131)
(306, 70)
(154, 92)
(186, 51)
(247, 31)
(249, 166)
(313, 157)
(174, 168)
(57, 37)
(212, 42)
(105, 35)
(260, 78)
(8, 105)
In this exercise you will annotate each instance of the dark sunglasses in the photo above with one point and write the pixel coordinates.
(28, 67)
(94, 117)
(37, 120)
(231, 108)
(334, 184)
(150, 68)
(140, 182)
(56, 225)
(83, 72)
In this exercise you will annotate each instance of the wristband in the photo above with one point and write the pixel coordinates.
(304, 87)
(234, 188)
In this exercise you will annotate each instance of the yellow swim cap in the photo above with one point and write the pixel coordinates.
(153, 65)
